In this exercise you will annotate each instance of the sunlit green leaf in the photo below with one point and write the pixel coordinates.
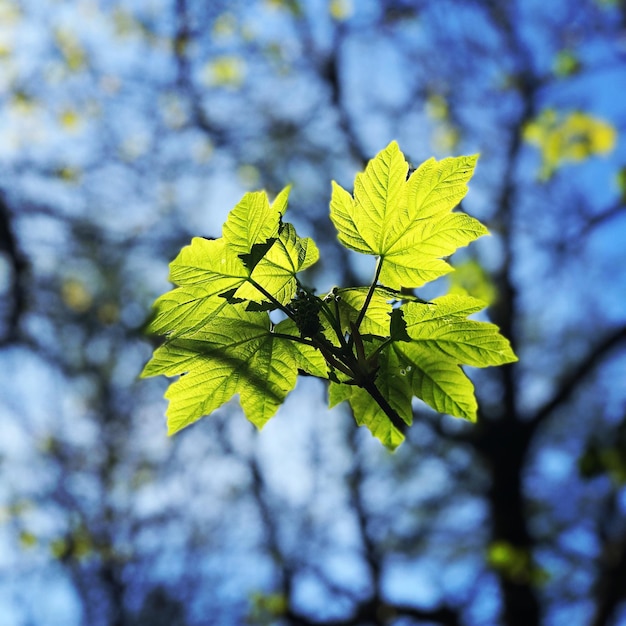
(254, 221)
(277, 270)
(237, 353)
(308, 358)
(376, 321)
(407, 224)
(379, 346)
(442, 327)
(439, 382)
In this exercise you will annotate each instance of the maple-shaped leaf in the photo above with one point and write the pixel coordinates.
(256, 247)
(236, 353)
(435, 339)
(407, 224)
(430, 343)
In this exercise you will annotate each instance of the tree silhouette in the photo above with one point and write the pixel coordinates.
(128, 128)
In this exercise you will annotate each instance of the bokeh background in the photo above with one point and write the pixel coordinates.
(126, 128)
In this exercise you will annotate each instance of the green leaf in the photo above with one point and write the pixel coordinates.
(237, 353)
(209, 262)
(376, 321)
(337, 393)
(442, 328)
(184, 310)
(276, 271)
(207, 268)
(439, 382)
(438, 186)
(254, 221)
(257, 252)
(308, 358)
(379, 346)
(407, 224)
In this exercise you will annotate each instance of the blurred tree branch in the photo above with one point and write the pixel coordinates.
(19, 269)
(572, 381)
(610, 585)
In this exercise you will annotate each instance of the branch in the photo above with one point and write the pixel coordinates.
(378, 612)
(580, 372)
(182, 37)
(611, 586)
(606, 216)
(19, 265)
(374, 610)
(370, 293)
(327, 67)
(615, 581)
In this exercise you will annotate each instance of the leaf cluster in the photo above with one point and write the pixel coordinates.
(378, 345)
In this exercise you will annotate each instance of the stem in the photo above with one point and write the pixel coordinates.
(344, 361)
(369, 385)
(358, 343)
(370, 293)
(365, 380)
(335, 362)
(335, 323)
(306, 342)
(272, 299)
(384, 344)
